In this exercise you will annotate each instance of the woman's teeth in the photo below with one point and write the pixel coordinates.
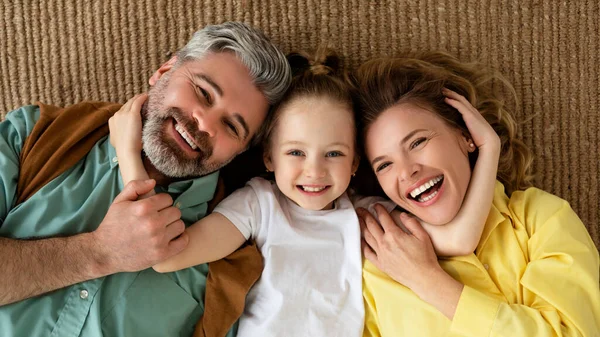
(429, 197)
(417, 191)
(185, 136)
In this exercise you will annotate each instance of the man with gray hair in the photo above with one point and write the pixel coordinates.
(75, 244)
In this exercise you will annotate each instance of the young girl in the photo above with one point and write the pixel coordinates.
(304, 222)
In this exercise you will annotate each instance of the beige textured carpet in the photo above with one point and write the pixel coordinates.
(64, 51)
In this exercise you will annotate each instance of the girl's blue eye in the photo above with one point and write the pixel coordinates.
(334, 154)
(295, 153)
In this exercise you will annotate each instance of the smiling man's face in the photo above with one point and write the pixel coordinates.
(200, 114)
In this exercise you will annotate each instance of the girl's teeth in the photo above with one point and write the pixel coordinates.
(312, 189)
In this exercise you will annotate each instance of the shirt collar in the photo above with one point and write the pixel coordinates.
(499, 212)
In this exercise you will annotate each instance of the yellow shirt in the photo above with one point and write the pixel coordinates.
(534, 273)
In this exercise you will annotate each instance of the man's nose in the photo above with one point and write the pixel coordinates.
(207, 120)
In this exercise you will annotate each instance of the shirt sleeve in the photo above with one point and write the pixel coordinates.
(13, 132)
(561, 295)
(242, 208)
(369, 203)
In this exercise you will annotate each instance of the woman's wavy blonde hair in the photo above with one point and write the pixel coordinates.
(385, 82)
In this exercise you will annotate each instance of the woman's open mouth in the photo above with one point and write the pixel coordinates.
(428, 190)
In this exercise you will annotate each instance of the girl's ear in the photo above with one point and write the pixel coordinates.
(162, 70)
(268, 162)
(355, 163)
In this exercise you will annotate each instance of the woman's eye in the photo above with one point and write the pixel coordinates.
(381, 167)
(334, 154)
(296, 153)
(417, 142)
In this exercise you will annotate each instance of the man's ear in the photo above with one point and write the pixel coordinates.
(162, 70)
(268, 162)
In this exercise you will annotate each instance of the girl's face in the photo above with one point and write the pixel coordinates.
(420, 162)
(312, 151)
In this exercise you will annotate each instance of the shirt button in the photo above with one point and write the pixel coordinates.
(83, 294)
(115, 160)
(486, 266)
(178, 205)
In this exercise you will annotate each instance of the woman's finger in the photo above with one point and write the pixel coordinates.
(369, 239)
(386, 220)
(369, 254)
(414, 226)
(372, 225)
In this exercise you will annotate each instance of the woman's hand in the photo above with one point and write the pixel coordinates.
(408, 258)
(126, 127)
(482, 133)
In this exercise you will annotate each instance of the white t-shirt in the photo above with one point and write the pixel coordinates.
(311, 284)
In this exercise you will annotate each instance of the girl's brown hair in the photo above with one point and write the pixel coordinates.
(316, 74)
(386, 82)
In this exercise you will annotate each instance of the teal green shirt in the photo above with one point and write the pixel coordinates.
(145, 303)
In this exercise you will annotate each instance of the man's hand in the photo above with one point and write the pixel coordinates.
(136, 234)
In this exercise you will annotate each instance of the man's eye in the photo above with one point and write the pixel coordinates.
(418, 142)
(296, 153)
(231, 127)
(334, 154)
(205, 94)
(381, 167)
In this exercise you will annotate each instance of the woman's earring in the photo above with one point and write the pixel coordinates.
(472, 145)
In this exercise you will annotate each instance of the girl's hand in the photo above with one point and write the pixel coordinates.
(482, 133)
(126, 127)
(408, 258)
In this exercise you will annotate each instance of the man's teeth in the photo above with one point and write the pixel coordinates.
(313, 189)
(425, 187)
(185, 136)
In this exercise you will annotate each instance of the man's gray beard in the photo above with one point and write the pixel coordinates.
(164, 154)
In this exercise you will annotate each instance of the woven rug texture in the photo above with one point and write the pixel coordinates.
(65, 51)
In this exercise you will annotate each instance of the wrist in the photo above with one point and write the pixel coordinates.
(436, 281)
(99, 258)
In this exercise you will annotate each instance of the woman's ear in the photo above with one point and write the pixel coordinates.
(467, 142)
(162, 70)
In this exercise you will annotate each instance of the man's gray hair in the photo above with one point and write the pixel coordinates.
(267, 65)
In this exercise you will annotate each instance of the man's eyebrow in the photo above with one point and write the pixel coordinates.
(212, 83)
(243, 123)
